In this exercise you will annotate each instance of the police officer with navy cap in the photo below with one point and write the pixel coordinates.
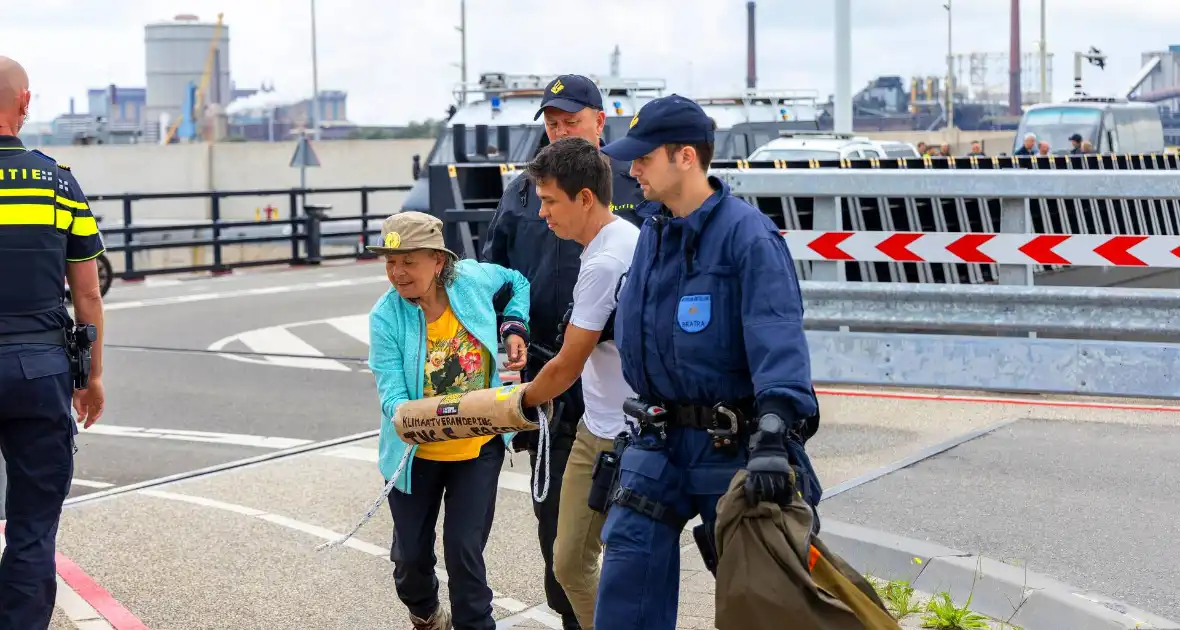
(519, 238)
(47, 234)
(709, 326)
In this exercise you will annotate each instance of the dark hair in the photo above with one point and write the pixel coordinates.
(574, 164)
(704, 150)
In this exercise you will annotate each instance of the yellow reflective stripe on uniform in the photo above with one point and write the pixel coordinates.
(26, 192)
(84, 226)
(78, 260)
(70, 203)
(27, 214)
(64, 217)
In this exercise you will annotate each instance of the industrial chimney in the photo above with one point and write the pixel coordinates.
(1014, 62)
(751, 74)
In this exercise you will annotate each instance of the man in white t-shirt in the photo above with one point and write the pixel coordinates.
(573, 181)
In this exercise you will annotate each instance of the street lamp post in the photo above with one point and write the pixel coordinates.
(950, 71)
(315, 79)
(462, 28)
(1044, 56)
(842, 122)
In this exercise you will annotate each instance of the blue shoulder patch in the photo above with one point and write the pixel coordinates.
(42, 154)
(694, 312)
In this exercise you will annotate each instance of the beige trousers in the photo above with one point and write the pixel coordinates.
(579, 529)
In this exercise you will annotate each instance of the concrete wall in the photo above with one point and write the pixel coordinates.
(116, 169)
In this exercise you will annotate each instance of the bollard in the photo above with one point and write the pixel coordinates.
(315, 216)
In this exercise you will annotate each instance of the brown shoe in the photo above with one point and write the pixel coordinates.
(440, 620)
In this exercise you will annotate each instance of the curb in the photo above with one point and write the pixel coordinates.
(998, 590)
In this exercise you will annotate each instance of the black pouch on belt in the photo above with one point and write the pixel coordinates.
(602, 481)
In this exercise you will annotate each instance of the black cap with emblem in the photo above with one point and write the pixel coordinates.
(570, 93)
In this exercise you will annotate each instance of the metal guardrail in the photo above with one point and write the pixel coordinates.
(1009, 336)
(986, 310)
(306, 228)
(1013, 189)
(1062, 340)
(947, 201)
(475, 188)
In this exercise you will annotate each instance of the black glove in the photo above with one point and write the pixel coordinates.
(565, 321)
(769, 468)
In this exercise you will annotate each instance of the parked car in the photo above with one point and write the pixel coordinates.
(106, 275)
(815, 145)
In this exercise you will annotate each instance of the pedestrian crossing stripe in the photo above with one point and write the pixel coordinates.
(343, 345)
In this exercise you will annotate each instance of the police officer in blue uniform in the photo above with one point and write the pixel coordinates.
(519, 239)
(47, 235)
(709, 325)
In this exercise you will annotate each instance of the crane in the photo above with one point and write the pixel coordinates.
(199, 103)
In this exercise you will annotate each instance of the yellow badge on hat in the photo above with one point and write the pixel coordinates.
(393, 240)
(634, 120)
(557, 87)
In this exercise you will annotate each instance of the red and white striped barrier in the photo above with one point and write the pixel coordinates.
(1092, 250)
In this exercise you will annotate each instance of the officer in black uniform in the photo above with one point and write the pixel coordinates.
(519, 238)
(47, 234)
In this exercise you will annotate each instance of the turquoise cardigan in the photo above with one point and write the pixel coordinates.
(397, 346)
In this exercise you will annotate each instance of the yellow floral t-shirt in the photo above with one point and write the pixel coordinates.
(456, 362)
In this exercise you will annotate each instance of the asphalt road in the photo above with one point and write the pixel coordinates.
(235, 548)
(151, 385)
(1092, 504)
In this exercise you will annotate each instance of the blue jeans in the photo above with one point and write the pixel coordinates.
(640, 584)
(37, 438)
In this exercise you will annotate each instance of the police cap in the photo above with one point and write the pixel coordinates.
(671, 119)
(570, 93)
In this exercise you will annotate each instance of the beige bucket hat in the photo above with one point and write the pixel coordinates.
(406, 231)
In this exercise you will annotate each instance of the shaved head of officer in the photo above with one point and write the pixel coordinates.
(14, 96)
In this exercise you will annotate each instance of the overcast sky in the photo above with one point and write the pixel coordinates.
(394, 57)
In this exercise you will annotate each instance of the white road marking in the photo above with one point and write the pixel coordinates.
(540, 612)
(517, 482)
(278, 339)
(237, 293)
(514, 481)
(358, 453)
(91, 484)
(235, 439)
(355, 326)
(507, 603)
(282, 339)
(156, 283)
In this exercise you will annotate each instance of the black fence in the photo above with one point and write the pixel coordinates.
(305, 227)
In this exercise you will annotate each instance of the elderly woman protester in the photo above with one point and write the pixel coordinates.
(434, 333)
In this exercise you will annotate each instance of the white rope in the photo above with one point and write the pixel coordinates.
(538, 495)
(374, 507)
(542, 454)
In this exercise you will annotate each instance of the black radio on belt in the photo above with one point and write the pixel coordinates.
(78, 344)
(604, 477)
(602, 481)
